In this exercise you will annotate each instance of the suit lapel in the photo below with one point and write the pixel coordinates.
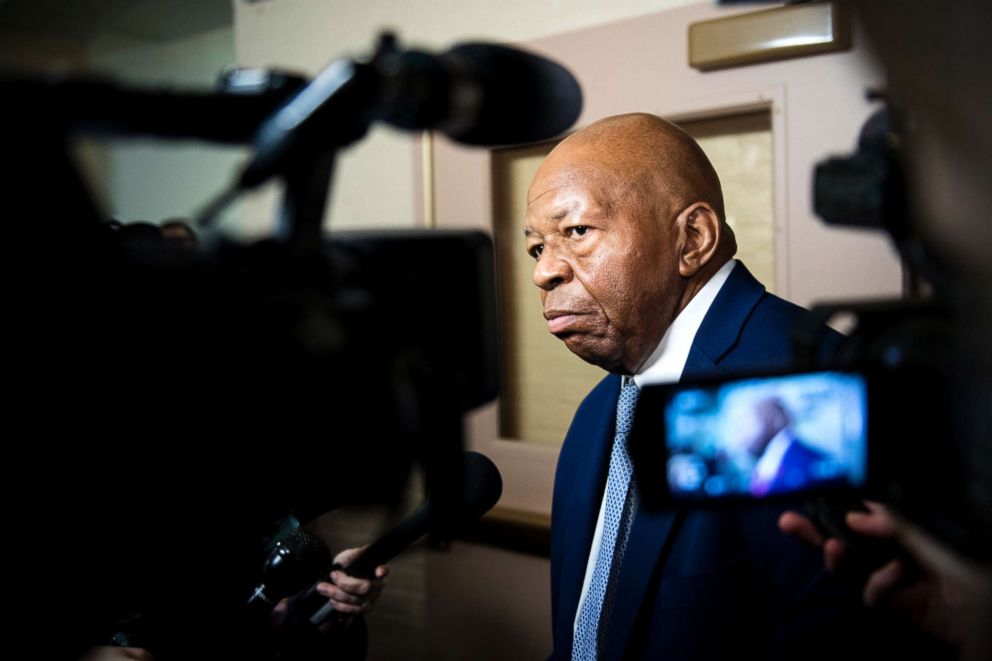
(587, 482)
(723, 323)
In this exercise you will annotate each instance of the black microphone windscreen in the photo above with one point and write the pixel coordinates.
(524, 97)
(482, 486)
(298, 559)
(304, 545)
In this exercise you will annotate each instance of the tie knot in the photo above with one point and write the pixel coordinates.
(626, 406)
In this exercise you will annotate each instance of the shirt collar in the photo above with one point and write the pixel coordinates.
(666, 362)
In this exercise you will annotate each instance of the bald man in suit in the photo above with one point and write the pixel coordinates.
(634, 263)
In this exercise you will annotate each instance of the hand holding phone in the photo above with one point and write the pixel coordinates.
(856, 536)
(765, 436)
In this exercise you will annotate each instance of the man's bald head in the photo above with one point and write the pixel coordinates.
(625, 219)
(642, 156)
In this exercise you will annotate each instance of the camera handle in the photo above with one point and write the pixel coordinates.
(301, 214)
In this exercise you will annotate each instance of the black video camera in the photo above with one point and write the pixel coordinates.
(898, 412)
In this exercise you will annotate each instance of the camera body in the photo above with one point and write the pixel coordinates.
(188, 399)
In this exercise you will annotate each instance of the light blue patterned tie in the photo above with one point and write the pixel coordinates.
(619, 510)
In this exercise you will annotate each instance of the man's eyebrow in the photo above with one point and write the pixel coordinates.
(557, 215)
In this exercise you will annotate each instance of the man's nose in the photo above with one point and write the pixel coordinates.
(551, 270)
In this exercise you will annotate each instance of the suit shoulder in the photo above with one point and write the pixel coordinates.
(767, 336)
(775, 307)
(774, 315)
(764, 339)
(777, 315)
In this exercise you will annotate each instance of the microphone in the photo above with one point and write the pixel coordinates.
(482, 486)
(295, 561)
(476, 93)
(479, 94)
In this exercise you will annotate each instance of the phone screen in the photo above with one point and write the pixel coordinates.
(767, 436)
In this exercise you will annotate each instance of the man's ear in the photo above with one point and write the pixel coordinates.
(699, 237)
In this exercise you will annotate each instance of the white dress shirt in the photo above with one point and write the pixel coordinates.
(664, 365)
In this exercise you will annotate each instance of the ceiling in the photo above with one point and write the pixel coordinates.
(82, 20)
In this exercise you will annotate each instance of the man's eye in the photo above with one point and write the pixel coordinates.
(535, 251)
(578, 230)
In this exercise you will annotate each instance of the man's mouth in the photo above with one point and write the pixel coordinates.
(562, 321)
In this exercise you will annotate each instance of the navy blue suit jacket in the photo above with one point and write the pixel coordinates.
(695, 583)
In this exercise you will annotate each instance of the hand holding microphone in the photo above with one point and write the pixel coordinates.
(358, 580)
(349, 594)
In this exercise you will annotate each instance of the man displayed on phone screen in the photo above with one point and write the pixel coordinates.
(783, 462)
(768, 436)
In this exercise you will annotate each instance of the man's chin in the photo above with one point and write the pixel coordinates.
(594, 352)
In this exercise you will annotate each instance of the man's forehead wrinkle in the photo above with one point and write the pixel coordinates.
(612, 165)
(546, 191)
(550, 178)
(590, 177)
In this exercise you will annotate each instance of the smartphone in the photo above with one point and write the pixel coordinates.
(763, 436)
